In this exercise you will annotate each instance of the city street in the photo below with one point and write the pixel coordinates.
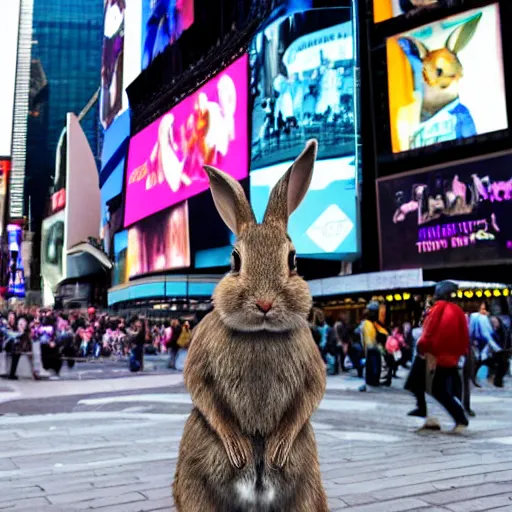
(111, 445)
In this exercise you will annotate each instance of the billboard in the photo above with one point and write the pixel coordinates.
(5, 171)
(52, 254)
(386, 9)
(326, 220)
(165, 159)
(163, 22)
(452, 216)
(120, 275)
(10, 16)
(436, 92)
(16, 271)
(132, 45)
(159, 243)
(303, 86)
(111, 92)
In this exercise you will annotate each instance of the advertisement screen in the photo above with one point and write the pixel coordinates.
(165, 159)
(302, 86)
(52, 249)
(447, 217)
(159, 243)
(435, 80)
(10, 15)
(326, 221)
(120, 252)
(16, 272)
(5, 170)
(163, 22)
(386, 9)
(111, 95)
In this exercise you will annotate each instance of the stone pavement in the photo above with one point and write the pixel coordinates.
(109, 447)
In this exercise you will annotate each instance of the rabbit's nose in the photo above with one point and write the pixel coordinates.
(264, 306)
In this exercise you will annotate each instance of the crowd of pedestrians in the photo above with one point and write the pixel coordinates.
(51, 339)
(445, 351)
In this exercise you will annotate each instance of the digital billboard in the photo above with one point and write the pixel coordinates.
(111, 92)
(5, 171)
(163, 22)
(120, 275)
(326, 220)
(16, 271)
(436, 77)
(302, 86)
(159, 243)
(456, 215)
(165, 159)
(10, 16)
(52, 252)
(386, 9)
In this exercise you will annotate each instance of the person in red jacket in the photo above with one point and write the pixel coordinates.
(444, 341)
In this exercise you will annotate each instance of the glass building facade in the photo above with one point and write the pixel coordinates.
(66, 48)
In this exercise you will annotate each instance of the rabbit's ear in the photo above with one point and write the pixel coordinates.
(290, 190)
(230, 201)
(413, 48)
(462, 35)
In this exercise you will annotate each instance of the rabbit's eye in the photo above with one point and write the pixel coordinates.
(292, 261)
(439, 72)
(236, 261)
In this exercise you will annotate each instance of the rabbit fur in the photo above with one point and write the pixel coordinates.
(255, 377)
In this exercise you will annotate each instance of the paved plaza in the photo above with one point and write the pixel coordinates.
(111, 445)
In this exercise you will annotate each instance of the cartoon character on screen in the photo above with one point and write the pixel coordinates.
(437, 74)
(210, 129)
(253, 370)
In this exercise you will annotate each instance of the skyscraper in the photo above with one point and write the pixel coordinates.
(65, 73)
(66, 49)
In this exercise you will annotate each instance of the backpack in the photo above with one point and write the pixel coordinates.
(184, 339)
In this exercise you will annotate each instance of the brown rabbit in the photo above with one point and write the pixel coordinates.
(441, 68)
(253, 370)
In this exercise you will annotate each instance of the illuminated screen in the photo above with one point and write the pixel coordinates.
(5, 170)
(435, 78)
(326, 221)
(447, 217)
(111, 95)
(163, 22)
(302, 86)
(386, 9)
(9, 14)
(16, 272)
(165, 159)
(159, 243)
(52, 249)
(120, 252)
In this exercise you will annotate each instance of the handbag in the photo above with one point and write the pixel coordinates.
(184, 339)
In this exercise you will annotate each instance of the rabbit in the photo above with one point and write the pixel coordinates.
(253, 370)
(437, 74)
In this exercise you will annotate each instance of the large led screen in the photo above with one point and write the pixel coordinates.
(386, 9)
(446, 80)
(159, 243)
(111, 96)
(458, 215)
(302, 86)
(326, 221)
(5, 171)
(120, 275)
(165, 159)
(15, 271)
(163, 22)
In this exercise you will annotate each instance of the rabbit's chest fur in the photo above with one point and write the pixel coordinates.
(261, 378)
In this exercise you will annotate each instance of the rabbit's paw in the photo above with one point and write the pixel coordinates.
(278, 451)
(238, 449)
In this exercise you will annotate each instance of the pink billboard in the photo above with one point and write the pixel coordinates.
(165, 159)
